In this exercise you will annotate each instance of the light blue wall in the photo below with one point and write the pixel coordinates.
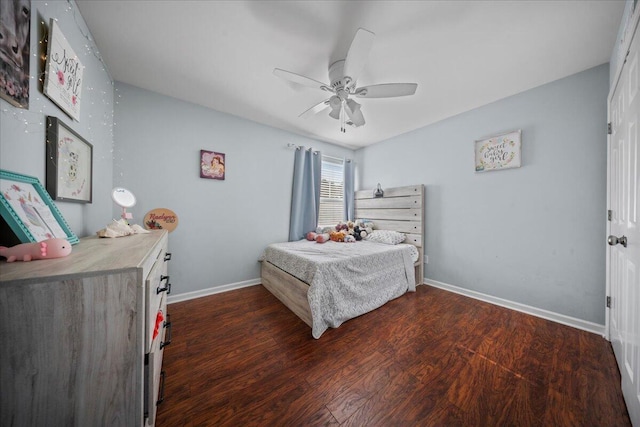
(533, 235)
(22, 132)
(224, 225)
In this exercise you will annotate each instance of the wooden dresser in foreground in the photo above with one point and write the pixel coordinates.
(77, 334)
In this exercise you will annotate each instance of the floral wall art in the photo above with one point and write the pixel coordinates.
(63, 73)
(498, 152)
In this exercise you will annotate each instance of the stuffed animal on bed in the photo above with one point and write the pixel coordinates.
(51, 248)
(337, 236)
(361, 229)
(321, 238)
(311, 235)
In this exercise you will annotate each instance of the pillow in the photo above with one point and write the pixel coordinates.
(386, 236)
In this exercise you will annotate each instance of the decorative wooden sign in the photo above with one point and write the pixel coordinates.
(161, 219)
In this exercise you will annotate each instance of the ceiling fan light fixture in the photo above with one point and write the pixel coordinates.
(335, 102)
(353, 105)
(343, 78)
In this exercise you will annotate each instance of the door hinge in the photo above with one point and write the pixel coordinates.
(609, 214)
(608, 302)
(609, 128)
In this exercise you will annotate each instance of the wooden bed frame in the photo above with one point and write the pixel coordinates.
(401, 209)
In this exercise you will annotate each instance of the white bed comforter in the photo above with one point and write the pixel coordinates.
(345, 279)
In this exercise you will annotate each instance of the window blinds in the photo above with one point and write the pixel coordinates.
(331, 192)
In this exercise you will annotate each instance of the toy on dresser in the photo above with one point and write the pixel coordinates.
(51, 248)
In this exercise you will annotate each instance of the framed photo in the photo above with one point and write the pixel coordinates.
(29, 211)
(69, 164)
(63, 73)
(498, 152)
(14, 52)
(212, 165)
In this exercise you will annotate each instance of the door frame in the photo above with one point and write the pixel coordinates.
(630, 33)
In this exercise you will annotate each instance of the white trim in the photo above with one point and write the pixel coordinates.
(211, 291)
(630, 32)
(538, 312)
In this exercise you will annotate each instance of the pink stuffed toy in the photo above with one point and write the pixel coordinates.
(311, 236)
(321, 238)
(52, 248)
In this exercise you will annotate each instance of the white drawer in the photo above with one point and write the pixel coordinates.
(157, 286)
(154, 388)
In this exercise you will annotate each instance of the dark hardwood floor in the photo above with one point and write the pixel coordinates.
(430, 358)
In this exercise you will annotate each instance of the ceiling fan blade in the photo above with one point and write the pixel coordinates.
(358, 53)
(354, 112)
(386, 90)
(315, 109)
(301, 80)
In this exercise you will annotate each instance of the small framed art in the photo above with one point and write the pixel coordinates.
(498, 152)
(14, 52)
(63, 73)
(29, 211)
(212, 165)
(69, 164)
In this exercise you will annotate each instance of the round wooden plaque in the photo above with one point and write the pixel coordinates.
(161, 218)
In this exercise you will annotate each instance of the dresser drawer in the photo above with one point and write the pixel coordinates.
(157, 286)
(154, 376)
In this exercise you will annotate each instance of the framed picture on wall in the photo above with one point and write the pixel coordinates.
(29, 211)
(69, 164)
(63, 73)
(212, 165)
(15, 41)
(497, 152)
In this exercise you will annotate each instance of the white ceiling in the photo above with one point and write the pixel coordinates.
(462, 54)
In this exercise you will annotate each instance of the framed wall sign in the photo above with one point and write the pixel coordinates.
(63, 73)
(69, 164)
(27, 208)
(15, 44)
(212, 165)
(498, 152)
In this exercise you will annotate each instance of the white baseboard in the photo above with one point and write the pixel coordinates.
(538, 312)
(211, 291)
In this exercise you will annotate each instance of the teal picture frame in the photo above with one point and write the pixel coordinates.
(27, 208)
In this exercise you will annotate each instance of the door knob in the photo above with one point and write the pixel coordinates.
(613, 240)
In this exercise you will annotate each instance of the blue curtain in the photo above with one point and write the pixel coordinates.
(349, 197)
(305, 198)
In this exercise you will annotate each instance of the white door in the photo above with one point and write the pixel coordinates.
(624, 229)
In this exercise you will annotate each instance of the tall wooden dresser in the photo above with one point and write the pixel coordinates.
(82, 336)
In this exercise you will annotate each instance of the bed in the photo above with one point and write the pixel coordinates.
(327, 284)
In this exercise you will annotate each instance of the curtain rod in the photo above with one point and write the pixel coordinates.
(299, 147)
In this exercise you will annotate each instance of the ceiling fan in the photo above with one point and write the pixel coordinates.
(343, 75)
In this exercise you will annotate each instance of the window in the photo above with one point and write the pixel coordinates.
(331, 192)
